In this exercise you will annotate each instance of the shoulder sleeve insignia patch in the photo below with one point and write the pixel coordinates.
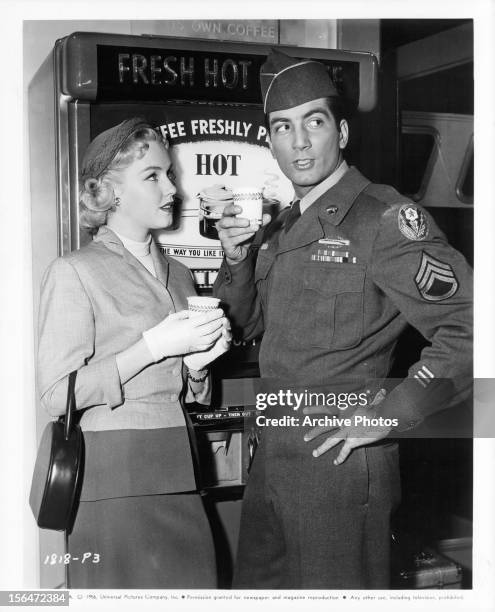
(435, 279)
(412, 222)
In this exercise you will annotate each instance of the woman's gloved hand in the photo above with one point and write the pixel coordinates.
(198, 361)
(179, 334)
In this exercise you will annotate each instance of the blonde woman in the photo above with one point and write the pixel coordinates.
(115, 311)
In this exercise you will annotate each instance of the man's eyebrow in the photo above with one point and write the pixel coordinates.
(275, 119)
(319, 109)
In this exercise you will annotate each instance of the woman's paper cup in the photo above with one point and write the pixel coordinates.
(250, 199)
(198, 304)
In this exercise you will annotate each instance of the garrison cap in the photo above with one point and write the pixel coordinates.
(106, 145)
(288, 81)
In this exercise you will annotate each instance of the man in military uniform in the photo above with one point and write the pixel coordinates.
(332, 284)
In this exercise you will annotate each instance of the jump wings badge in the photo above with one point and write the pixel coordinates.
(412, 222)
(435, 279)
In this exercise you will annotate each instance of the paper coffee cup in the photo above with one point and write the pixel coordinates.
(198, 304)
(250, 199)
(212, 201)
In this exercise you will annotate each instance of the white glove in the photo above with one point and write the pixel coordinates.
(179, 334)
(198, 361)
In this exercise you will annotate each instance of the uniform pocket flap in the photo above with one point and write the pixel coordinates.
(332, 279)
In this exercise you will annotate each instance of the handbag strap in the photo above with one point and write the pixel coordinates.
(71, 404)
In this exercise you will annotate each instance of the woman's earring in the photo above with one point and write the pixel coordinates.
(117, 201)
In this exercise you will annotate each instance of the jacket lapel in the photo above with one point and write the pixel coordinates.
(306, 230)
(160, 263)
(334, 205)
(331, 207)
(113, 243)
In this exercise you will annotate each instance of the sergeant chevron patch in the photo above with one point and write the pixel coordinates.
(435, 279)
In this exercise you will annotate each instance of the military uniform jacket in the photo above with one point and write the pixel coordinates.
(96, 302)
(334, 293)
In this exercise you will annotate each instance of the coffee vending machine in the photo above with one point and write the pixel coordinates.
(204, 97)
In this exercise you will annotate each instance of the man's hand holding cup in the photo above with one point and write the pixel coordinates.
(240, 221)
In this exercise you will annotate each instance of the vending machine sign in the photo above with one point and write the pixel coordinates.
(215, 149)
(111, 67)
(168, 73)
(160, 73)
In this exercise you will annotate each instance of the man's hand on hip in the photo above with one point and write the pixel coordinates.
(352, 436)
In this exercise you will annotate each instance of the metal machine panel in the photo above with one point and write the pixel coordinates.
(444, 171)
(116, 66)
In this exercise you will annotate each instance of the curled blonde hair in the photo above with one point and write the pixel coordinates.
(97, 195)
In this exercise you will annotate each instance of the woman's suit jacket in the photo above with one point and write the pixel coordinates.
(96, 302)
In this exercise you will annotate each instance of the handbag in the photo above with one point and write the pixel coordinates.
(58, 470)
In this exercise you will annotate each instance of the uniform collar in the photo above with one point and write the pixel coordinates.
(331, 207)
(114, 244)
(319, 190)
(335, 203)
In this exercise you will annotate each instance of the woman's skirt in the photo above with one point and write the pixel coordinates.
(142, 542)
(140, 523)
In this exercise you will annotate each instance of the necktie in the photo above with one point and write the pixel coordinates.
(293, 216)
